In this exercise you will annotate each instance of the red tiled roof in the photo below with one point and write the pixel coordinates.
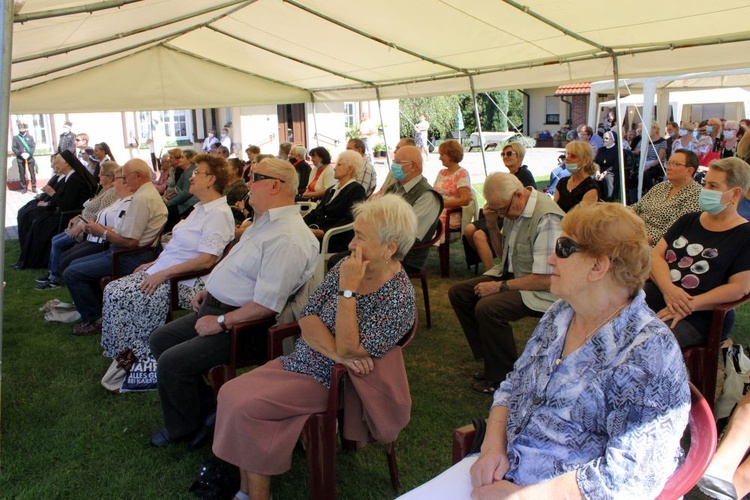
(574, 89)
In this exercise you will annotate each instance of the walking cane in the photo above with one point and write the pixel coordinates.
(28, 174)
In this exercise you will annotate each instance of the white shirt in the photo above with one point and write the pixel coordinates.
(146, 215)
(208, 229)
(111, 216)
(326, 178)
(275, 256)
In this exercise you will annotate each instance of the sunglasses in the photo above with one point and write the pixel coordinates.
(507, 153)
(565, 247)
(261, 177)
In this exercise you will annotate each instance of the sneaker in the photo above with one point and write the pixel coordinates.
(48, 285)
(42, 279)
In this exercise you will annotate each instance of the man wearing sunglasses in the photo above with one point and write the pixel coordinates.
(274, 258)
(515, 288)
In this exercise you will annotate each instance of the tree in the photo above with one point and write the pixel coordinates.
(439, 110)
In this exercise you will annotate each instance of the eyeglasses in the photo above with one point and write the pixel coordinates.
(675, 164)
(565, 247)
(261, 177)
(507, 153)
(195, 172)
(120, 177)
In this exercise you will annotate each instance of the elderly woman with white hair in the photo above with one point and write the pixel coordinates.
(364, 306)
(335, 208)
(729, 143)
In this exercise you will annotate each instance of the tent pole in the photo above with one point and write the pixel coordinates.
(385, 139)
(7, 55)
(315, 120)
(479, 123)
(67, 11)
(618, 121)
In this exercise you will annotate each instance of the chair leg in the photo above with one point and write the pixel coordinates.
(390, 452)
(426, 294)
(445, 255)
(218, 376)
(319, 436)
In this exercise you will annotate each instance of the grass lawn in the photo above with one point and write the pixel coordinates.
(63, 436)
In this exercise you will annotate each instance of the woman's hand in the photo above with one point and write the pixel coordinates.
(678, 301)
(501, 489)
(318, 233)
(75, 229)
(48, 190)
(143, 267)
(352, 271)
(94, 229)
(669, 317)
(489, 468)
(198, 299)
(151, 283)
(361, 365)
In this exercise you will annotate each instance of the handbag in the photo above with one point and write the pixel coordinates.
(736, 384)
(113, 378)
(64, 312)
(216, 480)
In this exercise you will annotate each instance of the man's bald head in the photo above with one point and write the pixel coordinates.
(411, 159)
(139, 167)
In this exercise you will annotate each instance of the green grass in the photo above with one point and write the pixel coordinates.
(63, 436)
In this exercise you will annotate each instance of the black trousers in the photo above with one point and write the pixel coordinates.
(183, 357)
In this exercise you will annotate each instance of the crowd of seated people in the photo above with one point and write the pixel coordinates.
(698, 260)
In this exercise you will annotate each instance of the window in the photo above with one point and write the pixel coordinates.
(170, 126)
(552, 110)
(39, 128)
(350, 114)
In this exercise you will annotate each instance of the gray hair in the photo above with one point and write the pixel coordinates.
(501, 184)
(109, 168)
(394, 220)
(284, 171)
(300, 151)
(738, 172)
(140, 166)
(353, 159)
(285, 147)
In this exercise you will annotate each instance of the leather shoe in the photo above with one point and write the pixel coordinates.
(161, 439)
(87, 328)
(17, 266)
(205, 432)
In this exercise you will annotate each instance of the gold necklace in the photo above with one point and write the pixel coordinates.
(591, 333)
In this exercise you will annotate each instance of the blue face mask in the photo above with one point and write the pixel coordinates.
(572, 167)
(709, 129)
(710, 201)
(397, 170)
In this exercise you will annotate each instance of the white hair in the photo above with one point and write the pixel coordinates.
(394, 220)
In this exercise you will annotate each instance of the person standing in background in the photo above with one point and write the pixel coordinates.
(366, 130)
(67, 139)
(23, 147)
(420, 135)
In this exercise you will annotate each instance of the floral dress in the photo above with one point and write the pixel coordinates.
(448, 184)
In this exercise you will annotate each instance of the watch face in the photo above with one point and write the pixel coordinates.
(348, 294)
(220, 319)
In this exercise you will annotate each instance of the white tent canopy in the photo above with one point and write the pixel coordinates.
(72, 55)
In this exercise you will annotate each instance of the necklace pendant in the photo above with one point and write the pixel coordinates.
(558, 361)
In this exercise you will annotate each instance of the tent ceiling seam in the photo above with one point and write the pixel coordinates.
(83, 9)
(376, 39)
(119, 36)
(291, 58)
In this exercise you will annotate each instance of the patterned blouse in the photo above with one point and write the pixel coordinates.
(383, 316)
(659, 212)
(614, 410)
(448, 184)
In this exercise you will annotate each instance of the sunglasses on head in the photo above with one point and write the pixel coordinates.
(261, 177)
(565, 247)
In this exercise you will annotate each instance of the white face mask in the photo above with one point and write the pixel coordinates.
(683, 132)
(729, 134)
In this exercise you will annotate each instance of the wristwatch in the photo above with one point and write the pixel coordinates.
(348, 294)
(220, 320)
(504, 286)
(104, 235)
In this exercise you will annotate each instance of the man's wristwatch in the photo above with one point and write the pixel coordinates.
(104, 235)
(504, 286)
(223, 325)
(348, 294)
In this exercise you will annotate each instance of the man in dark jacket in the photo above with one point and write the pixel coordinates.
(67, 139)
(23, 147)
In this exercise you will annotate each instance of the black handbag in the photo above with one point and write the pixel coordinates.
(216, 480)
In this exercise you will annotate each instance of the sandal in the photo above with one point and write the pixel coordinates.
(485, 387)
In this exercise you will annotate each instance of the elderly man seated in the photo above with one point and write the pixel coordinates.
(367, 175)
(274, 258)
(140, 225)
(516, 287)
